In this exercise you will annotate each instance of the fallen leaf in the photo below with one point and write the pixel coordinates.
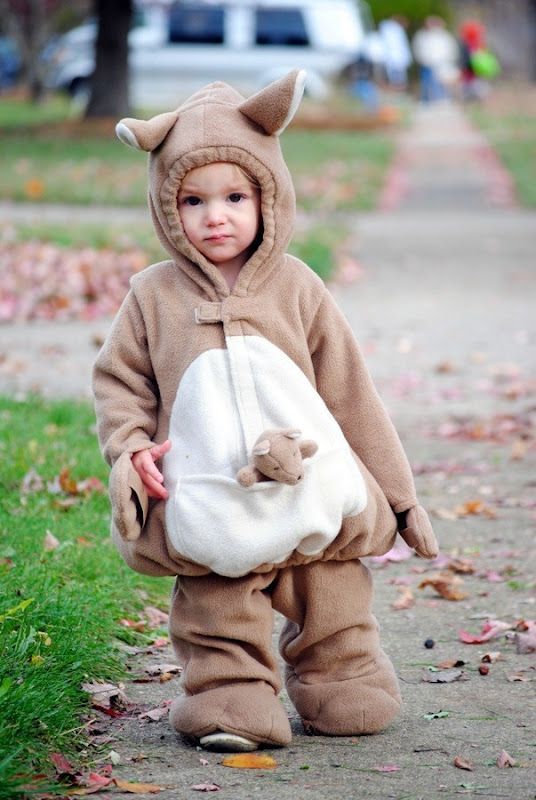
(161, 669)
(463, 763)
(155, 714)
(490, 629)
(138, 788)
(525, 642)
(50, 542)
(444, 676)
(445, 584)
(462, 566)
(136, 625)
(249, 761)
(399, 552)
(491, 658)
(206, 787)
(387, 768)
(436, 714)
(155, 617)
(475, 508)
(505, 760)
(518, 450)
(450, 663)
(406, 599)
(63, 766)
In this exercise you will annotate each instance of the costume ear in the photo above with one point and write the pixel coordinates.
(146, 134)
(292, 433)
(262, 448)
(273, 107)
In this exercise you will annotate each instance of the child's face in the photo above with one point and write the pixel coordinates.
(220, 213)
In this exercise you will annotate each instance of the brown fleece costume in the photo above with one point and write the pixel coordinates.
(211, 368)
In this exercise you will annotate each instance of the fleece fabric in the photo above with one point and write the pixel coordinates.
(211, 368)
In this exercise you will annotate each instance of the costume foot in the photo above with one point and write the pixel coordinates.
(223, 742)
(351, 707)
(250, 712)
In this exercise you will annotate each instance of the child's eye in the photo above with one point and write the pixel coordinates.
(191, 200)
(236, 197)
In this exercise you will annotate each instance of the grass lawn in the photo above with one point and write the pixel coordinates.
(509, 122)
(60, 608)
(66, 161)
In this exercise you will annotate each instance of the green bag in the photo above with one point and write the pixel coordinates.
(485, 64)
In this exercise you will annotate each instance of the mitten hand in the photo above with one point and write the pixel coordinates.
(417, 532)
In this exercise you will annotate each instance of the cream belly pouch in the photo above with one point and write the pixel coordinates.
(225, 400)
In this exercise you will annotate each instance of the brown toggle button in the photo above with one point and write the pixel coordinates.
(208, 313)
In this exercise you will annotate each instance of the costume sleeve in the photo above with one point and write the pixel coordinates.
(344, 382)
(126, 396)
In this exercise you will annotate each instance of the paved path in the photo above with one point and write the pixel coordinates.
(444, 312)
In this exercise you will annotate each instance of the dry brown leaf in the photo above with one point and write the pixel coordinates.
(491, 658)
(162, 669)
(505, 760)
(462, 566)
(475, 508)
(155, 714)
(406, 599)
(249, 761)
(138, 788)
(463, 763)
(445, 584)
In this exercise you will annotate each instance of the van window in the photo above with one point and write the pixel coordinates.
(280, 26)
(196, 23)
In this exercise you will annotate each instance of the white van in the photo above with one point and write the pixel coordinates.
(246, 43)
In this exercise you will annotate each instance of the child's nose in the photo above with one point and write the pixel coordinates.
(215, 214)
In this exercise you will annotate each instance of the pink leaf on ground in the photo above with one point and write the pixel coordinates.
(387, 768)
(505, 760)
(490, 629)
(399, 552)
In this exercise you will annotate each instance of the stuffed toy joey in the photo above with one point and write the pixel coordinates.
(278, 457)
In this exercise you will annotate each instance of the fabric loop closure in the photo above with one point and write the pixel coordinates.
(208, 313)
(226, 311)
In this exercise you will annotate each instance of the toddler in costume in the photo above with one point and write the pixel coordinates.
(227, 339)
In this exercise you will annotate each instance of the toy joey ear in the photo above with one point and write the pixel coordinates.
(144, 134)
(273, 107)
(307, 448)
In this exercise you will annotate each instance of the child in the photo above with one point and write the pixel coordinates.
(228, 338)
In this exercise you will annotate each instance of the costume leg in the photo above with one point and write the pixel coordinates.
(338, 678)
(221, 629)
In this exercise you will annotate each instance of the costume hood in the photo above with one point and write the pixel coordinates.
(218, 124)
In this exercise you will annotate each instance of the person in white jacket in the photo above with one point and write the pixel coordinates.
(397, 52)
(436, 52)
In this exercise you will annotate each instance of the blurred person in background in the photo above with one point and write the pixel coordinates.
(397, 52)
(436, 52)
(478, 65)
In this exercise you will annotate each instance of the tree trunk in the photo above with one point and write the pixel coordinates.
(109, 89)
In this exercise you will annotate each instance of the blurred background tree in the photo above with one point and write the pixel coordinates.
(415, 11)
(109, 94)
(32, 24)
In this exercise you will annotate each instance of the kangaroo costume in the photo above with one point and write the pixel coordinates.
(211, 368)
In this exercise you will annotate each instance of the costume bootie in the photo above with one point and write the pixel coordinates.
(338, 678)
(221, 629)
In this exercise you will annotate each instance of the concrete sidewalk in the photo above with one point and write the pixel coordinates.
(444, 312)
